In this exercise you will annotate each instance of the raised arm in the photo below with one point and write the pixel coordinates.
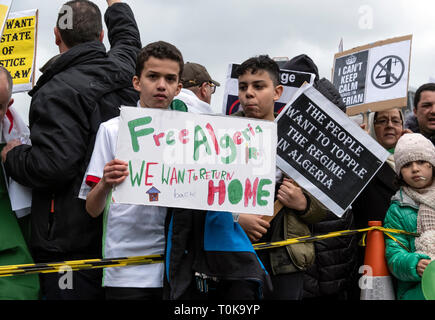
(123, 34)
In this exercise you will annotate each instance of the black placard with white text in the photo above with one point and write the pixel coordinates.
(324, 151)
(350, 77)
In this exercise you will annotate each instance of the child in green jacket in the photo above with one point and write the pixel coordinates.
(412, 210)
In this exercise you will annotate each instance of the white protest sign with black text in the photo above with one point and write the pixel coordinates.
(291, 81)
(374, 76)
(207, 162)
(324, 151)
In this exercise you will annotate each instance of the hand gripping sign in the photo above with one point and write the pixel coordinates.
(324, 151)
(180, 159)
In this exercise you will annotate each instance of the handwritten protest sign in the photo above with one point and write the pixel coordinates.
(291, 81)
(324, 151)
(179, 159)
(5, 6)
(18, 48)
(374, 76)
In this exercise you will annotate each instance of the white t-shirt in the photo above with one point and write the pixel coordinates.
(129, 230)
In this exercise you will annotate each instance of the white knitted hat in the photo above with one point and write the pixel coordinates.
(413, 147)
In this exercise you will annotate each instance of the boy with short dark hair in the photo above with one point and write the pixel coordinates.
(132, 230)
(259, 88)
(159, 50)
(231, 270)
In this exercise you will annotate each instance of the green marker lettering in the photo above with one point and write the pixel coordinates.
(263, 193)
(137, 178)
(227, 142)
(200, 141)
(235, 191)
(132, 125)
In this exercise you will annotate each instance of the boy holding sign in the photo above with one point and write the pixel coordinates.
(259, 88)
(132, 230)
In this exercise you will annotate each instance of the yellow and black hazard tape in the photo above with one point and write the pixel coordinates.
(75, 265)
(269, 245)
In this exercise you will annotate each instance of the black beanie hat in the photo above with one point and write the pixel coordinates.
(303, 63)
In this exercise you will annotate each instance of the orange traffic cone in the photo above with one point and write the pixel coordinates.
(376, 282)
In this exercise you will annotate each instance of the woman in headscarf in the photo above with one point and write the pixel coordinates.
(386, 127)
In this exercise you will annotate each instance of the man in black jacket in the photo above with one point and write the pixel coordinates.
(83, 87)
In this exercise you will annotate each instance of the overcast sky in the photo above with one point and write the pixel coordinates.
(217, 33)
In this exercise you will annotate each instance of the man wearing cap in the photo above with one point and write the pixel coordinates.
(197, 89)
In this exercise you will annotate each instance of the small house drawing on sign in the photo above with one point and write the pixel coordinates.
(153, 194)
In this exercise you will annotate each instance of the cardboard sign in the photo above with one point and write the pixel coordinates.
(186, 160)
(324, 151)
(18, 48)
(5, 6)
(291, 81)
(374, 76)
